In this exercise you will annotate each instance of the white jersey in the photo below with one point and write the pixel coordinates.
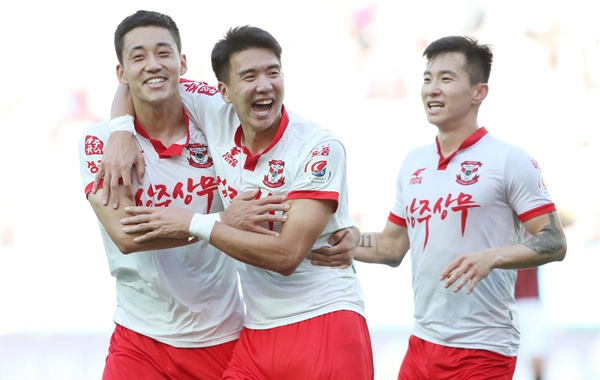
(304, 161)
(470, 201)
(186, 296)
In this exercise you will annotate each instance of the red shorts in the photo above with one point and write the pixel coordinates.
(425, 360)
(331, 346)
(135, 356)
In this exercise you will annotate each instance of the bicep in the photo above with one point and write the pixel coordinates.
(307, 219)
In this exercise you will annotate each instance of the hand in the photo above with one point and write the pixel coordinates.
(247, 213)
(121, 153)
(157, 222)
(341, 253)
(467, 268)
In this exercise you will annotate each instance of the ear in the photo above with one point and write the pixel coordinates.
(184, 65)
(481, 91)
(223, 91)
(121, 74)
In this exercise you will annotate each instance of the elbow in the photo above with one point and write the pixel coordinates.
(287, 267)
(394, 262)
(562, 253)
(288, 262)
(127, 246)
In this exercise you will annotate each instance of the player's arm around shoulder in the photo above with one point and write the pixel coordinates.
(386, 247)
(306, 220)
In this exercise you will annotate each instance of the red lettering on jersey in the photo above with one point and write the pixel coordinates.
(200, 88)
(420, 211)
(93, 145)
(93, 166)
(159, 195)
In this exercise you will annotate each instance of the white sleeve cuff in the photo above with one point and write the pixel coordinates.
(122, 123)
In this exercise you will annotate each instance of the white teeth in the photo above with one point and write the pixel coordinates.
(263, 102)
(155, 80)
(431, 105)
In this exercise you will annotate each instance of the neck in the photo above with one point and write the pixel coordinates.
(164, 122)
(450, 140)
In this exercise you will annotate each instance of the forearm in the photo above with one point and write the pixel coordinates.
(545, 246)
(372, 248)
(275, 253)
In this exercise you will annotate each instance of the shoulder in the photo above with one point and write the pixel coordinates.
(308, 130)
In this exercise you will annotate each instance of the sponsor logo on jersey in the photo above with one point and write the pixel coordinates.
(275, 176)
(93, 145)
(416, 178)
(318, 171)
(541, 184)
(230, 157)
(199, 87)
(469, 172)
(199, 157)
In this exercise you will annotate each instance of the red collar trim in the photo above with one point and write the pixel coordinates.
(469, 142)
(252, 161)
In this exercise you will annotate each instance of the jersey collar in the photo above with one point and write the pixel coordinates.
(252, 161)
(469, 142)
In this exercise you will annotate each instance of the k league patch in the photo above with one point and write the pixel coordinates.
(468, 172)
(199, 157)
(318, 171)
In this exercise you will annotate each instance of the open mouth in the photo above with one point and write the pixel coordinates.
(262, 105)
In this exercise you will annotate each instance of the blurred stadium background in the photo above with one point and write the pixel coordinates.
(354, 66)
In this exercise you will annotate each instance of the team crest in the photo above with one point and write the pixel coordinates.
(199, 157)
(469, 172)
(275, 177)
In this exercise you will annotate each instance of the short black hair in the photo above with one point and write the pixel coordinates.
(140, 19)
(238, 39)
(479, 57)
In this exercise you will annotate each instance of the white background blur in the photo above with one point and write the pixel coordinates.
(354, 66)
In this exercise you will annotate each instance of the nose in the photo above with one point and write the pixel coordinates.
(430, 88)
(264, 84)
(152, 63)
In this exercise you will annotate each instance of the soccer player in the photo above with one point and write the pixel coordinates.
(462, 205)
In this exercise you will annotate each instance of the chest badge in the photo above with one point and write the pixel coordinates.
(469, 172)
(275, 177)
(199, 156)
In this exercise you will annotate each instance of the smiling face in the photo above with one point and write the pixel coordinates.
(451, 102)
(255, 89)
(152, 65)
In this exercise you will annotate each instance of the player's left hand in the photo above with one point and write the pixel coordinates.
(157, 222)
(341, 252)
(468, 268)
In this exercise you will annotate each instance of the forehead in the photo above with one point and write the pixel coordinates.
(147, 37)
(447, 62)
(253, 59)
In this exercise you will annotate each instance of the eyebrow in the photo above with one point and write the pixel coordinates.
(251, 70)
(442, 72)
(160, 44)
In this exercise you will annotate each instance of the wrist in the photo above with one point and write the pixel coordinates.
(202, 225)
(122, 123)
